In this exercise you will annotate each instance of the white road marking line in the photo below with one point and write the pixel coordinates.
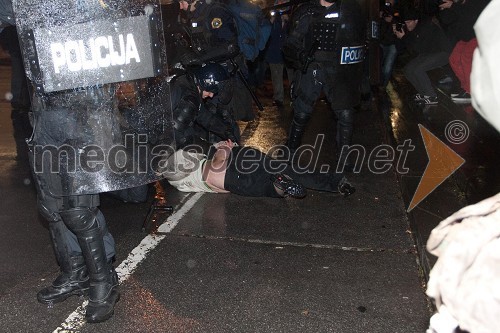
(75, 321)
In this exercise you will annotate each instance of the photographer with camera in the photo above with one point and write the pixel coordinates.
(431, 48)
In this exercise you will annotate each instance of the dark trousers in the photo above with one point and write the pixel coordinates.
(417, 68)
(249, 174)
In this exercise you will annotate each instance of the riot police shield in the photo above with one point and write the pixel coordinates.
(102, 118)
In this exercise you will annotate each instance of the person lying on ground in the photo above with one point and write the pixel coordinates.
(246, 171)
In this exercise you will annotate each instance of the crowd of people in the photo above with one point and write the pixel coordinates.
(436, 35)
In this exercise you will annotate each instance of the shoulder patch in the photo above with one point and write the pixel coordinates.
(216, 23)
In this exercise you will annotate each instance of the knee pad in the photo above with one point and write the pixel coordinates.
(80, 219)
(47, 213)
(301, 118)
(345, 117)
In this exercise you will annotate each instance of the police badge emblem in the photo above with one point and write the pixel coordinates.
(216, 23)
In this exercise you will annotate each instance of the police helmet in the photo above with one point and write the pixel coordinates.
(210, 76)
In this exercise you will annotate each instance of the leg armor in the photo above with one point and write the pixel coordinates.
(73, 279)
(297, 129)
(306, 91)
(345, 119)
(86, 224)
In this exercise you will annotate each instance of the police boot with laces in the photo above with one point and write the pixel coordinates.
(74, 280)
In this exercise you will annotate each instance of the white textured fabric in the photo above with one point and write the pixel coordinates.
(466, 278)
(193, 182)
(442, 322)
(184, 171)
(485, 76)
(180, 164)
(465, 281)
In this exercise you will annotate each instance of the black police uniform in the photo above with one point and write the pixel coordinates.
(192, 120)
(214, 38)
(71, 120)
(326, 44)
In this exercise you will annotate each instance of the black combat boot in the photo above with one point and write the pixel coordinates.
(345, 188)
(296, 132)
(103, 294)
(103, 290)
(295, 135)
(344, 139)
(73, 280)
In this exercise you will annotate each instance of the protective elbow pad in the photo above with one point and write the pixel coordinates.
(185, 112)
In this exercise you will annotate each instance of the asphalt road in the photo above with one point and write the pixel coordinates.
(224, 263)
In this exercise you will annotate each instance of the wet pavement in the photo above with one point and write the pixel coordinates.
(224, 263)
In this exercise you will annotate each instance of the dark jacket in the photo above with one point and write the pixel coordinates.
(458, 20)
(427, 37)
(213, 31)
(274, 54)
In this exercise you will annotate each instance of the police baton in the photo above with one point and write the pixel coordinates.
(242, 78)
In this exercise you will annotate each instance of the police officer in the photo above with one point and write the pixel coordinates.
(212, 31)
(194, 119)
(66, 123)
(326, 45)
(214, 38)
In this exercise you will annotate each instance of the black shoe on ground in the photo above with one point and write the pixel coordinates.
(61, 289)
(288, 186)
(417, 97)
(457, 92)
(75, 282)
(428, 100)
(464, 97)
(345, 188)
(103, 295)
(445, 79)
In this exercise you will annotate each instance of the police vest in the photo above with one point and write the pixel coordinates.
(340, 33)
